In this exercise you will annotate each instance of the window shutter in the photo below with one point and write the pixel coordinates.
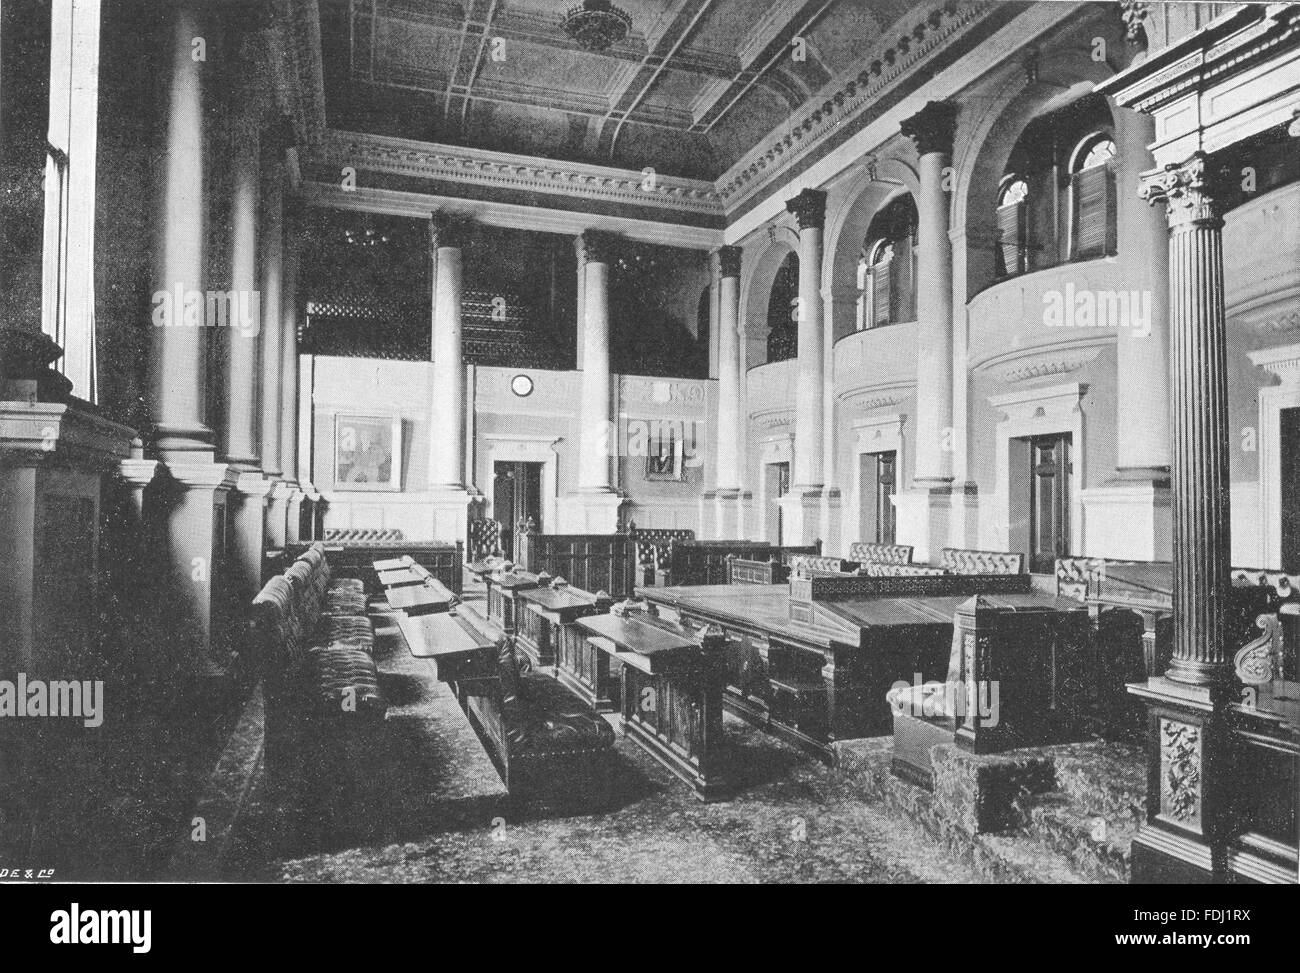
(902, 304)
(880, 292)
(1012, 237)
(1094, 212)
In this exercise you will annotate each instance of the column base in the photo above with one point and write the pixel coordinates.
(924, 513)
(293, 522)
(202, 617)
(248, 517)
(831, 521)
(723, 514)
(590, 513)
(1130, 520)
(801, 516)
(963, 515)
(449, 512)
(277, 515)
(1189, 785)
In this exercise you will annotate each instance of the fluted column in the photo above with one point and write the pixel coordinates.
(809, 209)
(594, 455)
(447, 456)
(1199, 418)
(729, 434)
(932, 129)
(178, 363)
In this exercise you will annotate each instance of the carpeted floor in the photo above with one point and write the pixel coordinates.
(435, 813)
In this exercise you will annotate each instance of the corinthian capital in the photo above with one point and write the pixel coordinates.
(932, 128)
(809, 209)
(1194, 192)
(447, 232)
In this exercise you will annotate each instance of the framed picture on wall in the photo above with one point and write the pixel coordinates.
(367, 452)
(665, 461)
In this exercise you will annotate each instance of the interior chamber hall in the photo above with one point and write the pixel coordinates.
(686, 440)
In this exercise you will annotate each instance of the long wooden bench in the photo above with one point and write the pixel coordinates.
(312, 645)
(355, 556)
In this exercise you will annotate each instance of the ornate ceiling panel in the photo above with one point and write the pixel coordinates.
(694, 86)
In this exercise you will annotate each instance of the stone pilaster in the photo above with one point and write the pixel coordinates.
(247, 505)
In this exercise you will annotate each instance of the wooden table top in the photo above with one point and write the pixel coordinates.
(391, 564)
(417, 599)
(561, 601)
(516, 582)
(442, 636)
(403, 576)
(651, 648)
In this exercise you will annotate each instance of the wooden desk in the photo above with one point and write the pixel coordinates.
(545, 631)
(824, 677)
(503, 597)
(391, 564)
(423, 599)
(671, 698)
(401, 577)
(463, 655)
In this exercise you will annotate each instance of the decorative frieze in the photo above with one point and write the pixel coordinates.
(1180, 771)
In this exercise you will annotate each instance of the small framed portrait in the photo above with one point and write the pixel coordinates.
(367, 452)
(665, 459)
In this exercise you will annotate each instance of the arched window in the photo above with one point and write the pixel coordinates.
(1092, 198)
(1013, 225)
(887, 266)
(783, 312)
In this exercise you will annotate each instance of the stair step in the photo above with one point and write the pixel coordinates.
(1096, 846)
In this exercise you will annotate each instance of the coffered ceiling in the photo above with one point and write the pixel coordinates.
(694, 86)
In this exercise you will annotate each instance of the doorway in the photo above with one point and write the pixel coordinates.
(776, 485)
(1290, 541)
(516, 497)
(877, 483)
(1049, 501)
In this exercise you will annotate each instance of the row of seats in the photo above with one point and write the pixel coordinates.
(314, 652)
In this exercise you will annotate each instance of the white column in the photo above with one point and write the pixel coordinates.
(242, 419)
(68, 256)
(932, 129)
(272, 253)
(447, 454)
(809, 209)
(594, 456)
(924, 512)
(178, 364)
(724, 519)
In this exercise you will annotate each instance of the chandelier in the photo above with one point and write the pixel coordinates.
(597, 24)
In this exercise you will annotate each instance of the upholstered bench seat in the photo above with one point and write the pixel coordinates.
(344, 682)
(547, 720)
(346, 631)
(344, 603)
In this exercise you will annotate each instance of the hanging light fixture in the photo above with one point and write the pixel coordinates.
(597, 24)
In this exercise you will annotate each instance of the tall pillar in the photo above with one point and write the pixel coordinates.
(193, 494)
(240, 439)
(581, 316)
(595, 507)
(289, 377)
(450, 498)
(1130, 516)
(801, 508)
(729, 432)
(1199, 414)
(447, 457)
(178, 364)
(272, 253)
(924, 510)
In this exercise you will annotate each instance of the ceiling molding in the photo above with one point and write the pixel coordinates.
(502, 170)
(1044, 362)
(888, 64)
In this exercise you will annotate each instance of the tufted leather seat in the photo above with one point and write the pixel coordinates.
(542, 718)
(344, 684)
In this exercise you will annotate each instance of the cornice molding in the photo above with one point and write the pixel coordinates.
(504, 170)
(1042, 362)
(853, 93)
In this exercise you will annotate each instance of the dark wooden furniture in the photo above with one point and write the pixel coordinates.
(400, 577)
(694, 562)
(546, 632)
(651, 549)
(671, 694)
(462, 652)
(355, 558)
(741, 570)
(503, 596)
(424, 599)
(814, 666)
(593, 562)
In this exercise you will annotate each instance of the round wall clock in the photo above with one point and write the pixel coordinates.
(521, 385)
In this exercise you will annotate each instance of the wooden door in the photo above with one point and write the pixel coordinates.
(1049, 504)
